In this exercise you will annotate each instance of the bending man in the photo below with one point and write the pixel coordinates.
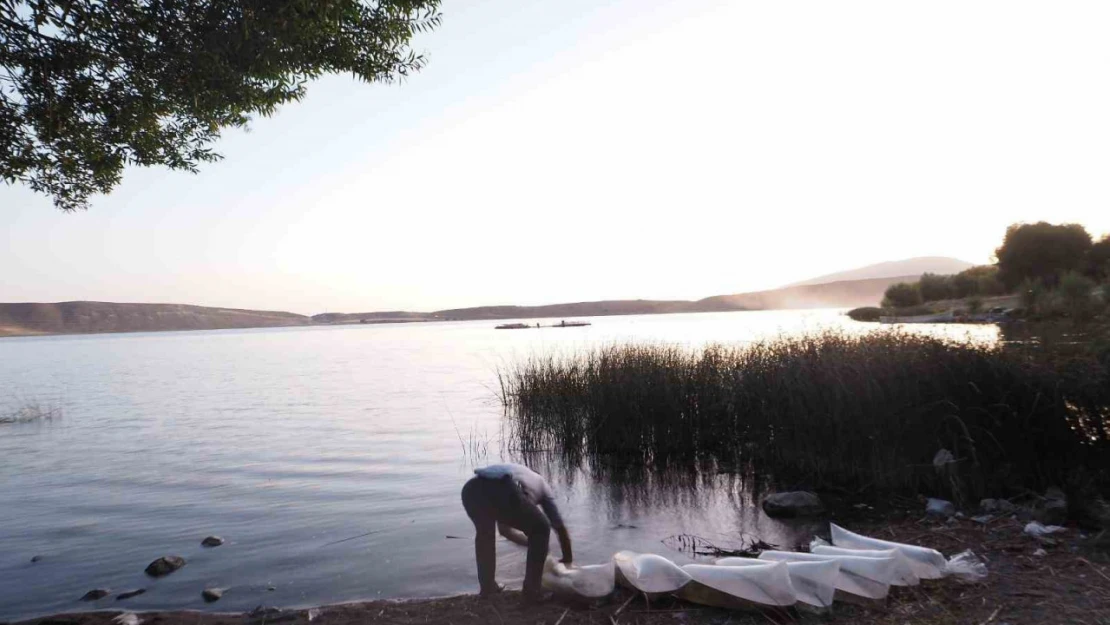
(520, 504)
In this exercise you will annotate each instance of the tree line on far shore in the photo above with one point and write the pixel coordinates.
(1053, 267)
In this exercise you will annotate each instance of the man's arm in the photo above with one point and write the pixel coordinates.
(547, 504)
(564, 544)
(513, 534)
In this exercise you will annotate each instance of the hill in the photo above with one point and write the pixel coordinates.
(912, 267)
(91, 317)
(841, 294)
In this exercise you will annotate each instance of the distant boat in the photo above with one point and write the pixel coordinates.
(571, 324)
(513, 326)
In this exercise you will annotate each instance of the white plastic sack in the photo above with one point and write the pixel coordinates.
(1036, 530)
(591, 582)
(864, 577)
(903, 570)
(926, 563)
(766, 585)
(814, 582)
(967, 567)
(647, 572)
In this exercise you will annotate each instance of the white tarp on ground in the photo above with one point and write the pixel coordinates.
(857, 565)
(926, 563)
(814, 582)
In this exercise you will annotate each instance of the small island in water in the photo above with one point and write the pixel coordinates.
(525, 326)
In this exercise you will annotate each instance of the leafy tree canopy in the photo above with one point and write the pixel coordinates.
(1041, 252)
(89, 86)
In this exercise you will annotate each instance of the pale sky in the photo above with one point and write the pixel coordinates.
(580, 150)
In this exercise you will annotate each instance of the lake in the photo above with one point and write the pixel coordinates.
(330, 459)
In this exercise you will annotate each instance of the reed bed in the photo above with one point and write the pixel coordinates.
(826, 411)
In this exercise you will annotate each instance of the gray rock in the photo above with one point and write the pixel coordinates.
(130, 593)
(792, 504)
(212, 541)
(1055, 508)
(212, 594)
(997, 506)
(939, 508)
(95, 594)
(36, 558)
(164, 566)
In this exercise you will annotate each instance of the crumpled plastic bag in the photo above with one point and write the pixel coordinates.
(592, 581)
(1036, 530)
(966, 567)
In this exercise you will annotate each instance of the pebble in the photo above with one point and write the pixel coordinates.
(96, 593)
(164, 566)
(36, 558)
(130, 593)
(212, 541)
(212, 594)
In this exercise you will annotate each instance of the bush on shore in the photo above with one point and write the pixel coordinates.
(826, 411)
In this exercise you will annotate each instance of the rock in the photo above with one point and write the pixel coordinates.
(982, 519)
(130, 593)
(95, 594)
(1055, 508)
(164, 566)
(792, 504)
(36, 558)
(212, 541)
(942, 459)
(1040, 553)
(212, 594)
(939, 508)
(271, 588)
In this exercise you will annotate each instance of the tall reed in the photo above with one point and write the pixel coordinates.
(827, 410)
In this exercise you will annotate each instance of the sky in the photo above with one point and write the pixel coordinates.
(586, 149)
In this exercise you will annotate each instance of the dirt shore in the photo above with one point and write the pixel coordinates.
(1070, 583)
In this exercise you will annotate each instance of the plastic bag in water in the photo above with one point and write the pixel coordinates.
(647, 572)
(591, 582)
(814, 582)
(967, 567)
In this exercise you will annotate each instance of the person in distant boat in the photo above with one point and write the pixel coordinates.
(521, 505)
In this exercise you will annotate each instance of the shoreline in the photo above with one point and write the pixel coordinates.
(1028, 582)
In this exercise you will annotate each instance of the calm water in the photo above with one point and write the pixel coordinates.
(287, 441)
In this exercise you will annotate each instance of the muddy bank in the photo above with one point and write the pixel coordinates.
(1029, 582)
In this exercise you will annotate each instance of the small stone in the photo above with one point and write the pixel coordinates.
(164, 566)
(36, 558)
(939, 508)
(212, 594)
(212, 541)
(792, 504)
(130, 593)
(1040, 553)
(271, 588)
(982, 519)
(1055, 509)
(95, 594)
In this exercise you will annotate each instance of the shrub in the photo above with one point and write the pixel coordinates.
(902, 295)
(1076, 294)
(866, 313)
(934, 287)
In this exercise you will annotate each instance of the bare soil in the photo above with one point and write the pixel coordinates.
(1069, 584)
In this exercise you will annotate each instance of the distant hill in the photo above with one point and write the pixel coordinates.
(841, 294)
(912, 267)
(89, 317)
